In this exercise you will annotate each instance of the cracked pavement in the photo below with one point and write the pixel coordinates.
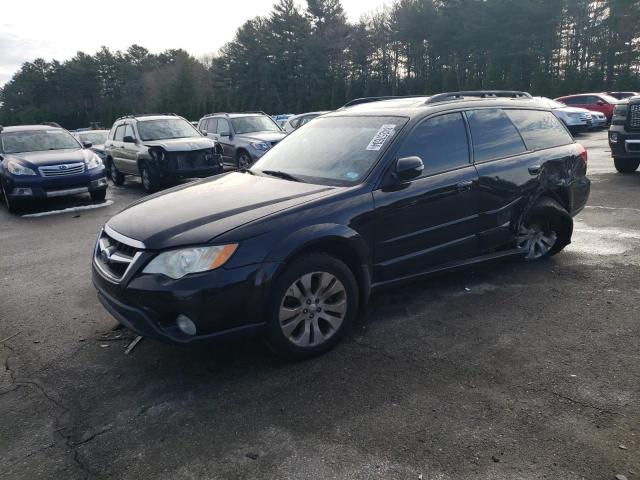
(507, 371)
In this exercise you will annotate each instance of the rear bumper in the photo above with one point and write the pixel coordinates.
(36, 187)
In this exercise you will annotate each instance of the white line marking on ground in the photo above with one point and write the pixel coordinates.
(611, 208)
(69, 210)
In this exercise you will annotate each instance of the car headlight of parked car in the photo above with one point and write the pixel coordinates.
(178, 263)
(16, 168)
(575, 115)
(93, 162)
(264, 146)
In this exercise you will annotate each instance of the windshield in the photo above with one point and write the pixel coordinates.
(254, 124)
(166, 128)
(97, 138)
(332, 150)
(37, 141)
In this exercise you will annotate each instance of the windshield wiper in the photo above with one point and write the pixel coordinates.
(283, 175)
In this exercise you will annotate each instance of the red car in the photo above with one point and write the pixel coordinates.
(599, 102)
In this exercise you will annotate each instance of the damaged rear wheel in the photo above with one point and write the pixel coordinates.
(545, 231)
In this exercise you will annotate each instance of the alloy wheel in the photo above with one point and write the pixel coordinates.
(244, 161)
(313, 309)
(537, 239)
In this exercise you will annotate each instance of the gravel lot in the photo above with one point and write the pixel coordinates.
(509, 371)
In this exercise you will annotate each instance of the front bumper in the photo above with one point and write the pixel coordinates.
(192, 173)
(221, 303)
(37, 187)
(627, 144)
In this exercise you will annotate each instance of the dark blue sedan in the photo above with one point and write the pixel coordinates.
(41, 161)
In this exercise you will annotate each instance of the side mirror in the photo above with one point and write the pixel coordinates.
(129, 139)
(87, 144)
(204, 132)
(600, 102)
(408, 168)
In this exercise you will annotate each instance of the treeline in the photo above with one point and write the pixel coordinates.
(295, 60)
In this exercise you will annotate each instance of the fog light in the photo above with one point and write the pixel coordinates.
(613, 137)
(22, 191)
(185, 325)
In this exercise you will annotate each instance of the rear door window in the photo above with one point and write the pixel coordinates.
(539, 129)
(441, 142)
(574, 101)
(494, 135)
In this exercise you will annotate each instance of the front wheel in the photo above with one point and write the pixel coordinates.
(150, 180)
(313, 304)
(244, 160)
(12, 205)
(626, 165)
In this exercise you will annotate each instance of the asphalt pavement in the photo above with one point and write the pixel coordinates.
(507, 371)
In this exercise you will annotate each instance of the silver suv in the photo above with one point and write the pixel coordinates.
(244, 137)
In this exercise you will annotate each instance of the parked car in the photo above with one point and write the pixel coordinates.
(577, 120)
(244, 137)
(297, 121)
(597, 102)
(282, 118)
(161, 149)
(93, 139)
(42, 161)
(622, 95)
(598, 120)
(624, 135)
(361, 198)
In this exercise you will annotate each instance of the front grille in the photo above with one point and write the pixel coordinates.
(62, 170)
(194, 160)
(114, 257)
(634, 116)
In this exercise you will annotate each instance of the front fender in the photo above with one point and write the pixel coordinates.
(306, 237)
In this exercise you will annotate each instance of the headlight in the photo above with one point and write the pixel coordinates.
(178, 263)
(260, 146)
(93, 162)
(575, 115)
(17, 169)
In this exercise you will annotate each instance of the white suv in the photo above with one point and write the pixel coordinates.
(576, 119)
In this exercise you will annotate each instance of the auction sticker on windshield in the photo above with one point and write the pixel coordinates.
(381, 137)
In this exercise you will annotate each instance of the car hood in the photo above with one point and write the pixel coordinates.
(572, 110)
(263, 136)
(52, 157)
(198, 213)
(181, 144)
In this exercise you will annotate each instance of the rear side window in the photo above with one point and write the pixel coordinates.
(493, 135)
(119, 134)
(212, 125)
(539, 129)
(575, 101)
(441, 142)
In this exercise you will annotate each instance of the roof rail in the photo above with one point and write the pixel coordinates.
(360, 101)
(52, 124)
(450, 96)
(134, 115)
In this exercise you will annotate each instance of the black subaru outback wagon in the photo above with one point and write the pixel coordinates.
(380, 191)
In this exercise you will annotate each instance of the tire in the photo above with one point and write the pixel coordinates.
(545, 230)
(150, 178)
(98, 195)
(243, 160)
(12, 205)
(626, 165)
(312, 305)
(116, 177)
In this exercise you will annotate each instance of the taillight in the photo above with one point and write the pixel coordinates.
(582, 152)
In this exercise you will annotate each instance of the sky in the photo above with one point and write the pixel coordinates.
(58, 29)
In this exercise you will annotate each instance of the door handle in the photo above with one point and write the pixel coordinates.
(465, 186)
(534, 170)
